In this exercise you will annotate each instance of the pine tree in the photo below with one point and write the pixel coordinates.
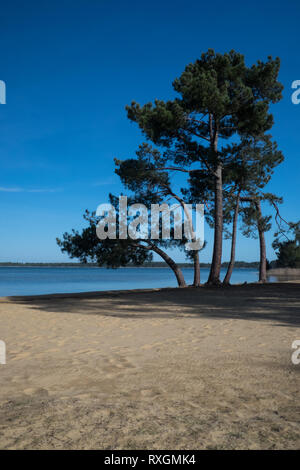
(287, 244)
(219, 98)
(147, 173)
(113, 253)
(248, 173)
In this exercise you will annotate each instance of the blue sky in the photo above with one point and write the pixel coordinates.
(70, 67)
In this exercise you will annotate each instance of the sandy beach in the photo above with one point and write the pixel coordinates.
(206, 368)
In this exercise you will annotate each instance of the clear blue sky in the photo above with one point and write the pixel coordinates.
(71, 66)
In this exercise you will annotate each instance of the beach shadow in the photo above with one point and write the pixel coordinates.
(278, 303)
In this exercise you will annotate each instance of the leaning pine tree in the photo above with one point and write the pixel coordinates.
(146, 173)
(116, 251)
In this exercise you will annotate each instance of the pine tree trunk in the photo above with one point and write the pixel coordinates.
(233, 242)
(214, 275)
(196, 282)
(262, 246)
(171, 263)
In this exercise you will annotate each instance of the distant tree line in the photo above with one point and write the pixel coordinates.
(148, 264)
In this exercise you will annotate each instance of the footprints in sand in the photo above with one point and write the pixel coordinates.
(116, 365)
(36, 391)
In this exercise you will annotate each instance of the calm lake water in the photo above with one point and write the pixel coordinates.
(48, 280)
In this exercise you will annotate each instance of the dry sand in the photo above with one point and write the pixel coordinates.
(206, 368)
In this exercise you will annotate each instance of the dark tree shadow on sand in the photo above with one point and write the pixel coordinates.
(278, 303)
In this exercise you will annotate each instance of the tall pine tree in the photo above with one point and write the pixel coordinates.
(220, 98)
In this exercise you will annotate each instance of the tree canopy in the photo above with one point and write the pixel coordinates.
(215, 131)
(220, 98)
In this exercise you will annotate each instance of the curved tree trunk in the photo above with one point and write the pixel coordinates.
(170, 262)
(214, 275)
(262, 245)
(233, 242)
(196, 282)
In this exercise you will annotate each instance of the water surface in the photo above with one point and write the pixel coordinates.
(50, 280)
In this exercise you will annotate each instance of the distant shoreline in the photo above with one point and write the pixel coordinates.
(239, 264)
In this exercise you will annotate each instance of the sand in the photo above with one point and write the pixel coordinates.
(206, 368)
(284, 274)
